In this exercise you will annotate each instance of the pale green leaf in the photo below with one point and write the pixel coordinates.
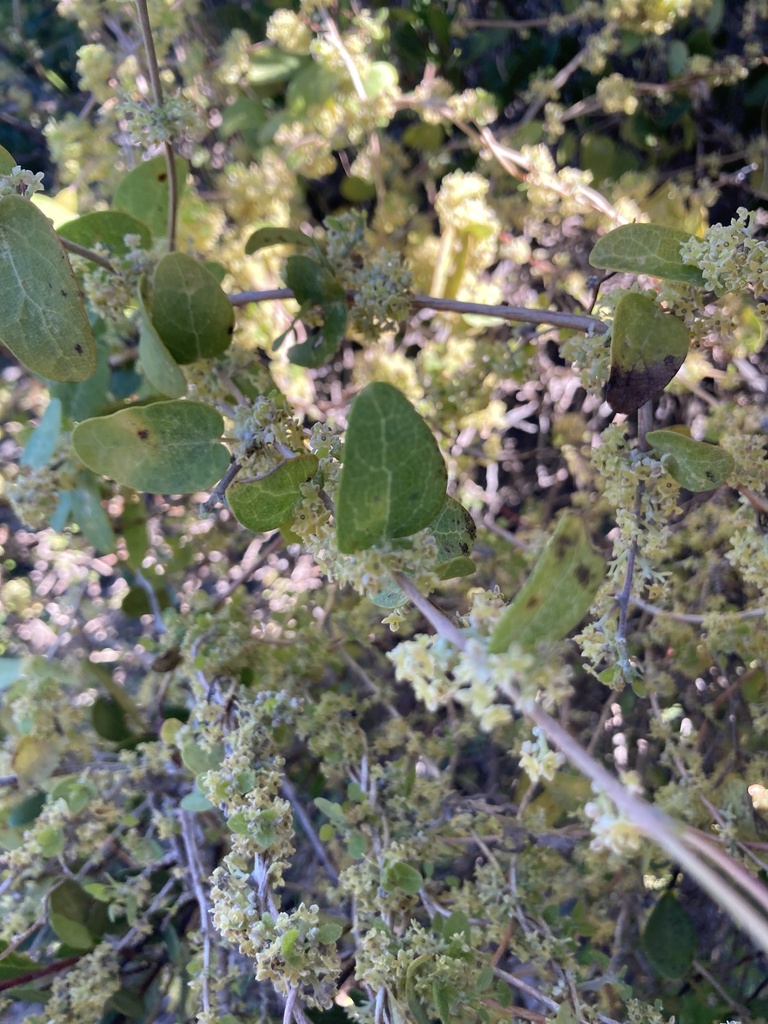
(85, 398)
(7, 162)
(695, 465)
(42, 442)
(42, 318)
(648, 347)
(393, 479)
(191, 313)
(557, 594)
(266, 502)
(105, 227)
(167, 447)
(143, 193)
(399, 875)
(379, 77)
(646, 249)
(160, 368)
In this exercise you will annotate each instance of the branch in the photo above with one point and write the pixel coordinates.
(195, 873)
(682, 844)
(88, 254)
(519, 314)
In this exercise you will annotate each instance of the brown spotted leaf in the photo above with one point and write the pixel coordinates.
(558, 593)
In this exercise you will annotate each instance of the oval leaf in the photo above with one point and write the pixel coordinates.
(167, 448)
(88, 512)
(160, 368)
(393, 479)
(265, 503)
(107, 228)
(695, 465)
(669, 938)
(322, 343)
(264, 238)
(558, 593)
(648, 347)
(400, 875)
(454, 530)
(42, 318)
(143, 192)
(191, 313)
(646, 249)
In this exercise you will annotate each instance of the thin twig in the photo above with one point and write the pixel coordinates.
(195, 874)
(517, 314)
(157, 92)
(216, 496)
(692, 619)
(87, 254)
(286, 788)
(154, 604)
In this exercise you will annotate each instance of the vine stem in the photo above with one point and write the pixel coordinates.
(693, 852)
(518, 314)
(157, 92)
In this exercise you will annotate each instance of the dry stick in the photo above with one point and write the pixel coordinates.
(683, 845)
(286, 788)
(157, 92)
(518, 314)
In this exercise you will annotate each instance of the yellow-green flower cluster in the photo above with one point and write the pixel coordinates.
(611, 830)
(730, 257)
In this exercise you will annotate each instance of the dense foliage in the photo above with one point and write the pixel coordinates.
(384, 512)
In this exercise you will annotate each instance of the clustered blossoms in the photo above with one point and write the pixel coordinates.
(80, 993)
(265, 433)
(20, 182)
(150, 124)
(731, 258)
(610, 829)
(440, 673)
(537, 759)
(380, 282)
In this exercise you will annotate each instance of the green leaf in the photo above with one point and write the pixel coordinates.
(266, 503)
(399, 875)
(108, 720)
(287, 944)
(393, 479)
(42, 317)
(313, 284)
(89, 514)
(455, 568)
(322, 343)
(82, 399)
(160, 368)
(200, 759)
(14, 965)
(105, 227)
(444, 996)
(558, 593)
(695, 465)
(646, 249)
(269, 65)
(330, 810)
(42, 442)
(669, 938)
(264, 238)
(35, 760)
(7, 162)
(10, 670)
(454, 530)
(196, 802)
(190, 311)
(71, 932)
(648, 347)
(379, 77)
(166, 448)
(143, 193)
(329, 933)
(75, 916)
(26, 811)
